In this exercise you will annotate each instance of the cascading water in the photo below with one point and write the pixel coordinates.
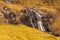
(39, 20)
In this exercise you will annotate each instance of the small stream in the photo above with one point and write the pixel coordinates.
(34, 14)
(39, 21)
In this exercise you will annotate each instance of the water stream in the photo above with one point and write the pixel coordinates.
(39, 20)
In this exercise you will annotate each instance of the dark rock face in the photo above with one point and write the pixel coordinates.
(25, 20)
(9, 16)
(47, 20)
(30, 19)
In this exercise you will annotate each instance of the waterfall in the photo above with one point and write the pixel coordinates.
(39, 20)
(35, 23)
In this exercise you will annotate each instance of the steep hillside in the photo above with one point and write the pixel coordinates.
(22, 32)
(15, 32)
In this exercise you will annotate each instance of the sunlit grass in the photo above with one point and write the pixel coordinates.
(22, 32)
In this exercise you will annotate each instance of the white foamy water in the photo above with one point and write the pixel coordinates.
(39, 21)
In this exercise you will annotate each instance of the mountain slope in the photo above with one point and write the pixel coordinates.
(49, 5)
(22, 32)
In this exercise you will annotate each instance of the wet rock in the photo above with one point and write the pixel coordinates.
(47, 19)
